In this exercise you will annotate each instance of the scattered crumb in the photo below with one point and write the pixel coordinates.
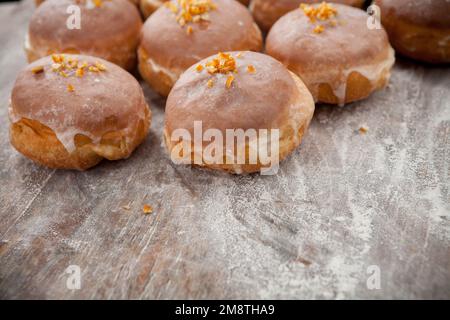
(126, 207)
(363, 130)
(147, 209)
(70, 88)
(37, 69)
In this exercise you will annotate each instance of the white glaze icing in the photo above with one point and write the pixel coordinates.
(158, 68)
(370, 72)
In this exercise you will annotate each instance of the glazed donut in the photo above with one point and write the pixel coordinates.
(267, 12)
(418, 29)
(71, 111)
(332, 49)
(109, 30)
(236, 91)
(38, 2)
(170, 44)
(150, 6)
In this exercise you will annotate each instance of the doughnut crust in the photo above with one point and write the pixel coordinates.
(150, 6)
(110, 31)
(74, 120)
(419, 29)
(267, 12)
(345, 62)
(269, 97)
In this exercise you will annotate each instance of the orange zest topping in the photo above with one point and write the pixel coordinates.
(322, 12)
(229, 82)
(223, 63)
(69, 66)
(100, 66)
(188, 11)
(57, 58)
(79, 73)
(70, 88)
(199, 68)
(97, 3)
(37, 69)
(319, 29)
(147, 209)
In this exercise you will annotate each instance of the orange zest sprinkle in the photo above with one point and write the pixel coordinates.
(229, 82)
(147, 209)
(70, 88)
(97, 3)
(199, 68)
(223, 63)
(57, 58)
(37, 69)
(187, 11)
(322, 12)
(319, 29)
(100, 66)
(70, 66)
(79, 73)
(93, 69)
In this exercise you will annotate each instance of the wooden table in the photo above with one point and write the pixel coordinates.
(343, 202)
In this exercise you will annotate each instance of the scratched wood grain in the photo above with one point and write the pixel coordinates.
(341, 203)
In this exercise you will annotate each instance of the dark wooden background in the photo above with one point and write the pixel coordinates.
(341, 203)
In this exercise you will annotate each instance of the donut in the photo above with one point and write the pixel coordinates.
(267, 12)
(183, 32)
(230, 93)
(72, 111)
(418, 29)
(150, 6)
(332, 49)
(109, 29)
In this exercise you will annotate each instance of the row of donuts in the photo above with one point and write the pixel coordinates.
(173, 39)
(418, 29)
(91, 109)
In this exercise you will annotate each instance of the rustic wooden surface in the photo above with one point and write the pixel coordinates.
(341, 203)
